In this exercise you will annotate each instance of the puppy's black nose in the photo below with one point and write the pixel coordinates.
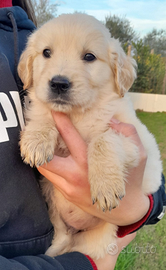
(60, 84)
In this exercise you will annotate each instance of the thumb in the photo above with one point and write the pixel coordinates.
(70, 135)
(128, 130)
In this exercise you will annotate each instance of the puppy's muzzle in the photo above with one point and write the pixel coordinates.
(59, 85)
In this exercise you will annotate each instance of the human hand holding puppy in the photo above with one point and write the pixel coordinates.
(70, 175)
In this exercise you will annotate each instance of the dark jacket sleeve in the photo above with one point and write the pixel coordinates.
(69, 261)
(155, 214)
(159, 205)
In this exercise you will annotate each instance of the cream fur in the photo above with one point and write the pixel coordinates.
(98, 92)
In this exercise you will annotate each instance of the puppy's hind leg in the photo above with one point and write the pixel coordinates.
(62, 239)
(95, 242)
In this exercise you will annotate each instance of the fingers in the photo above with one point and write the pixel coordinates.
(58, 165)
(72, 182)
(59, 182)
(127, 130)
(74, 167)
(70, 135)
(67, 168)
(55, 179)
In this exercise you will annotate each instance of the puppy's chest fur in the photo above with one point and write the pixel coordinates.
(89, 124)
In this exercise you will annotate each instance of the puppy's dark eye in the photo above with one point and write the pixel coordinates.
(89, 57)
(47, 53)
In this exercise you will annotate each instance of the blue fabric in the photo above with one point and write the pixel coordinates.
(25, 229)
(72, 261)
(23, 23)
(159, 199)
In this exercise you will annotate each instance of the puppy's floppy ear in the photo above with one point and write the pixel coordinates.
(25, 66)
(123, 66)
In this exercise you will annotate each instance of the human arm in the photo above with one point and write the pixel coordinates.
(70, 175)
(109, 261)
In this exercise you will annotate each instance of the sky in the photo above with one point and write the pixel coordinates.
(144, 15)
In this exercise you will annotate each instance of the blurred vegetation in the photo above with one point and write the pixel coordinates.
(45, 10)
(150, 69)
(149, 52)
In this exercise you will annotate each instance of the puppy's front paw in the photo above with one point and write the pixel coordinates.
(36, 148)
(107, 190)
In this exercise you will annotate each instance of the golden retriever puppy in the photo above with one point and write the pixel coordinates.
(72, 65)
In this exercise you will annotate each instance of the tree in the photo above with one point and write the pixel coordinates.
(150, 71)
(156, 39)
(44, 11)
(120, 28)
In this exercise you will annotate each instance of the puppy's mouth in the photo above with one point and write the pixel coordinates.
(59, 93)
(61, 102)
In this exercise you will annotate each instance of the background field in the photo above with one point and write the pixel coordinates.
(147, 251)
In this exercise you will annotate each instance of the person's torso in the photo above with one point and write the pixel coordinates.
(24, 224)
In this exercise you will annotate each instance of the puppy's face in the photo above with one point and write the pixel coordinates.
(71, 62)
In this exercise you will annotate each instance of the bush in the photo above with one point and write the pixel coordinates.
(151, 69)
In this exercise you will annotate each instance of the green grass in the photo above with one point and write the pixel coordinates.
(150, 240)
(156, 123)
